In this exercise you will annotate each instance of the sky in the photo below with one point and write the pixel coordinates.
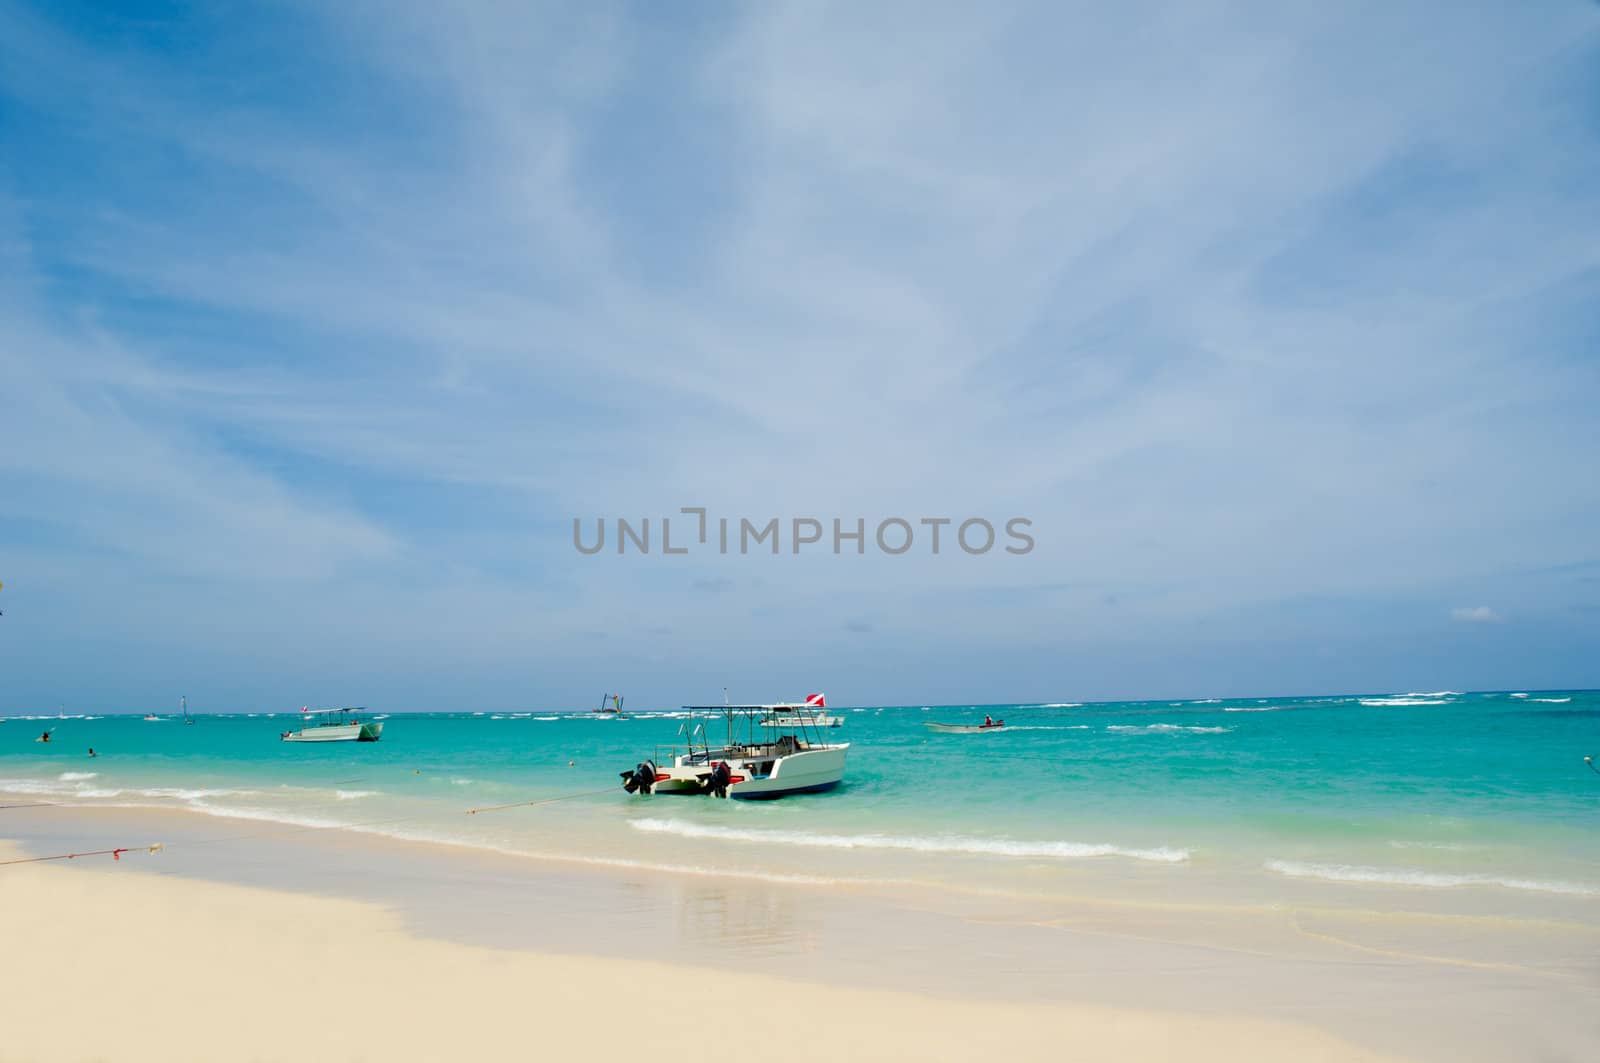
(320, 324)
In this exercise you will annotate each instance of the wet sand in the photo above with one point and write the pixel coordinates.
(1231, 976)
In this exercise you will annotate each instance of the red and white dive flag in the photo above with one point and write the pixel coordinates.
(816, 701)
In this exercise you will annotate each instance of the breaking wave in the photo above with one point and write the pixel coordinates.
(909, 843)
(1413, 877)
(1167, 729)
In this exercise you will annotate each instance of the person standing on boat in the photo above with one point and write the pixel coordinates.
(988, 721)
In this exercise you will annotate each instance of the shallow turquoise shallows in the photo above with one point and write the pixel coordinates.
(1435, 790)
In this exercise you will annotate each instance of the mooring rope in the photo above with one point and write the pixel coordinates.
(540, 801)
(115, 854)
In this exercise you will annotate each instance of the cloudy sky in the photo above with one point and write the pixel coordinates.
(319, 325)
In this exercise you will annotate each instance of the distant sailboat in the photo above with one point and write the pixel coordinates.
(615, 708)
(183, 705)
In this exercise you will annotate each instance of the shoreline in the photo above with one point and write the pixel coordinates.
(209, 971)
(1396, 982)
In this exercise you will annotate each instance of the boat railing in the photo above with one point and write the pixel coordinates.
(666, 756)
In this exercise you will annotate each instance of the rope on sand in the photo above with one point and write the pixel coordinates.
(541, 801)
(115, 854)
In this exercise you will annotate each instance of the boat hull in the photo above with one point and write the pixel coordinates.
(803, 720)
(344, 732)
(760, 777)
(964, 729)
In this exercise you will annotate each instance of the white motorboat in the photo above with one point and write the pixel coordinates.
(811, 714)
(769, 752)
(793, 716)
(335, 725)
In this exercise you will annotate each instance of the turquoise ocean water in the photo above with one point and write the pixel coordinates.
(1483, 793)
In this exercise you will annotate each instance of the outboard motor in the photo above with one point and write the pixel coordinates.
(716, 784)
(642, 778)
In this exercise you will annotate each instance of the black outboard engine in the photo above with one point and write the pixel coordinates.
(716, 783)
(642, 778)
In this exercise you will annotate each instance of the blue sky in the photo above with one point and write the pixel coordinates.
(322, 323)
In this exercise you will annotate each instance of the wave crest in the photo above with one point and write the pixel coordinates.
(1405, 876)
(953, 844)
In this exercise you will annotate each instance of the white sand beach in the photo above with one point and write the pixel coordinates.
(120, 962)
(329, 945)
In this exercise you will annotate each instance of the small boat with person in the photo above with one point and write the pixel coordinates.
(989, 724)
(768, 752)
(335, 725)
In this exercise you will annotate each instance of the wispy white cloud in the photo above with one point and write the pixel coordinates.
(1477, 614)
(1237, 309)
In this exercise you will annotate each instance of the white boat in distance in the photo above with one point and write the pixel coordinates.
(810, 714)
(753, 763)
(335, 725)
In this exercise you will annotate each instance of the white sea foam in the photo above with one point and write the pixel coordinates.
(1552, 701)
(606, 861)
(1412, 877)
(267, 815)
(1047, 727)
(35, 787)
(71, 784)
(1258, 708)
(1519, 695)
(547, 717)
(1166, 729)
(908, 843)
(173, 793)
(1433, 694)
(1062, 705)
(351, 795)
(1400, 701)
